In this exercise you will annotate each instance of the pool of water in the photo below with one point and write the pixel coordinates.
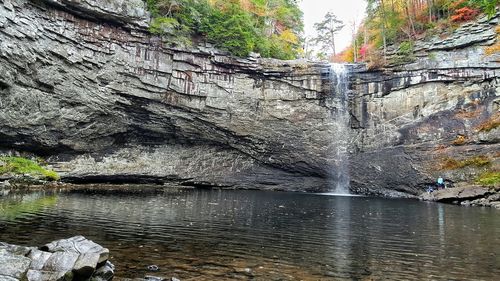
(255, 235)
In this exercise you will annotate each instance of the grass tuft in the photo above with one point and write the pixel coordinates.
(460, 140)
(490, 124)
(21, 166)
(453, 164)
(489, 178)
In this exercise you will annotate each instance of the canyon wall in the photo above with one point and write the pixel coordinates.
(84, 85)
(435, 116)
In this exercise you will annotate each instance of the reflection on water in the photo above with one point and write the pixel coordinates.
(251, 235)
(18, 205)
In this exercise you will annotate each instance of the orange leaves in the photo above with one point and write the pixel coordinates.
(464, 14)
(346, 55)
(246, 5)
(494, 49)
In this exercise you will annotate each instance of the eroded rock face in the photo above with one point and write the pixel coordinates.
(83, 83)
(106, 101)
(410, 119)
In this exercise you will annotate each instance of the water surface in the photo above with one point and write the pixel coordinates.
(255, 235)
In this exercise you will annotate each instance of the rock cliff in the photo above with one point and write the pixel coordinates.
(85, 85)
(435, 116)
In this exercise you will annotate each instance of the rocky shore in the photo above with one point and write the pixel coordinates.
(466, 195)
(76, 258)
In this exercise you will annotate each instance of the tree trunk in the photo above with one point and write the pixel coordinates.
(384, 39)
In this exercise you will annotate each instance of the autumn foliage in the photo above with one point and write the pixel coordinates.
(394, 22)
(268, 27)
(464, 14)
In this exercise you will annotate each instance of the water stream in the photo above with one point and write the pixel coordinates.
(340, 140)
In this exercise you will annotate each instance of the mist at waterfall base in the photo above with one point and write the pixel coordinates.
(339, 171)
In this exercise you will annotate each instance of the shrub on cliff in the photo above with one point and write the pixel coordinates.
(21, 166)
(269, 27)
(491, 178)
(392, 22)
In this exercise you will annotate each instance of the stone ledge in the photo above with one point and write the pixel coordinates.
(465, 195)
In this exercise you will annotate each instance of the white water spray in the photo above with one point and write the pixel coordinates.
(339, 77)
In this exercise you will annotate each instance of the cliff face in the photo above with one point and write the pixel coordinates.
(83, 83)
(433, 117)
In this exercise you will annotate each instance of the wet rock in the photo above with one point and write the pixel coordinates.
(155, 278)
(153, 267)
(104, 273)
(86, 265)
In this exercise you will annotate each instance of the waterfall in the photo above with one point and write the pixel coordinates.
(339, 79)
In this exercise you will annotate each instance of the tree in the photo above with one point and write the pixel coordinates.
(326, 31)
(270, 27)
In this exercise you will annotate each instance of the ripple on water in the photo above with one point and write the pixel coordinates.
(253, 235)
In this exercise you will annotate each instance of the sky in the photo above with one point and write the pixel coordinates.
(346, 10)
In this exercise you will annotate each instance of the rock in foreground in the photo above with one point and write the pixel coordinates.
(76, 258)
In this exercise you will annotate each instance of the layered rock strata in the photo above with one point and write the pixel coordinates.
(85, 85)
(106, 101)
(411, 121)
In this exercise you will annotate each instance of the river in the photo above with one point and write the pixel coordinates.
(256, 235)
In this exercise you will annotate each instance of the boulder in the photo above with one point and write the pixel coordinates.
(38, 259)
(12, 266)
(40, 275)
(104, 273)
(460, 195)
(86, 265)
(78, 245)
(76, 258)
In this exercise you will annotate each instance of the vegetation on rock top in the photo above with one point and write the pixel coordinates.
(398, 23)
(491, 178)
(268, 27)
(22, 166)
(452, 164)
(490, 124)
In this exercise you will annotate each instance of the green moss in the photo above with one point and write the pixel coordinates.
(452, 164)
(21, 166)
(489, 178)
(404, 53)
(270, 28)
